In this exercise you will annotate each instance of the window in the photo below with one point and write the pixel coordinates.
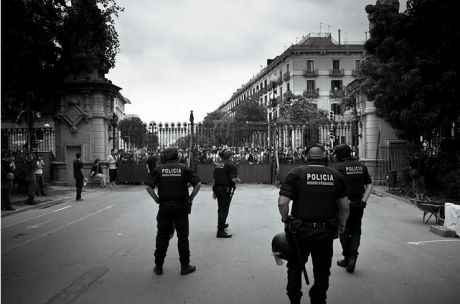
(336, 64)
(288, 87)
(336, 85)
(287, 67)
(357, 63)
(310, 85)
(310, 65)
(265, 83)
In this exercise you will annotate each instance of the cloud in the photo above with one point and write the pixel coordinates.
(178, 55)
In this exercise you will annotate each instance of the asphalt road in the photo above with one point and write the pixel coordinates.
(100, 250)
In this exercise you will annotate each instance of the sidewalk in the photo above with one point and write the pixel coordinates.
(55, 195)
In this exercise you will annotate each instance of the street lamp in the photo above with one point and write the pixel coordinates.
(114, 124)
(192, 119)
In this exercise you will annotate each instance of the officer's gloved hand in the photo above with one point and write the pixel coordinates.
(358, 204)
(214, 195)
(293, 225)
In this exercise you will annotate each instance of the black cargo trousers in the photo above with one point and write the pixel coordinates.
(351, 237)
(224, 198)
(172, 215)
(319, 243)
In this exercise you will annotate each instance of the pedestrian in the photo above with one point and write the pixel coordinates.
(78, 175)
(96, 171)
(7, 181)
(359, 187)
(225, 177)
(175, 202)
(112, 161)
(318, 213)
(417, 173)
(151, 163)
(30, 165)
(40, 181)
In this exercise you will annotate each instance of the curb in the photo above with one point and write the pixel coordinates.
(37, 206)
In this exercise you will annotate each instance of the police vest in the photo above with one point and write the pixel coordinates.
(222, 173)
(172, 185)
(356, 177)
(317, 193)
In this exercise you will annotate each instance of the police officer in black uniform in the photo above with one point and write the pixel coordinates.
(172, 179)
(359, 187)
(225, 176)
(319, 211)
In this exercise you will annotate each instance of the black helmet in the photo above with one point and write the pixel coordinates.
(281, 246)
(342, 152)
(170, 154)
(226, 153)
(315, 152)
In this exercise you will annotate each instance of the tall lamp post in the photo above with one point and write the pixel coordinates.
(114, 124)
(190, 152)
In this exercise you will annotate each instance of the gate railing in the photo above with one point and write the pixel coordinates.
(43, 139)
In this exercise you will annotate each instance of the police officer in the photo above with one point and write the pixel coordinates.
(172, 179)
(359, 187)
(319, 211)
(225, 176)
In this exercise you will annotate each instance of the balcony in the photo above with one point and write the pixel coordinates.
(338, 93)
(269, 86)
(286, 76)
(336, 72)
(280, 80)
(310, 73)
(311, 93)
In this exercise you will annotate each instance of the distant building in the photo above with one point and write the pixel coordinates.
(317, 67)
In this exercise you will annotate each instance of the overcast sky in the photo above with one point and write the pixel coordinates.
(182, 55)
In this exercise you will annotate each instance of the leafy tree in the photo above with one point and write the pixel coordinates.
(412, 68)
(133, 130)
(297, 109)
(250, 110)
(151, 141)
(211, 118)
(42, 40)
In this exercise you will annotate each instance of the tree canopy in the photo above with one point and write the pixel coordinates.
(42, 40)
(411, 71)
(297, 109)
(250, 110)
(133, 131)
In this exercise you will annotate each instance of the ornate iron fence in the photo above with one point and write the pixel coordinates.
(43, 139)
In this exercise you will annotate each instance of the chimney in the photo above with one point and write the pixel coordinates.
(339, 35)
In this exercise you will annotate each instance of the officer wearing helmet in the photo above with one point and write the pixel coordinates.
(318, 213)
(225, 177)
(172, 179)
(359, 187)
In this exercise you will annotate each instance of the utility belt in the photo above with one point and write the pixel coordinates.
(299, 224)
(221, 189)
(173, 205)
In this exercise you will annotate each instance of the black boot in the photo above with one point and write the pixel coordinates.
(223, 234)
(343, 263)
(351, 264)
(187, 269)
(158, 269)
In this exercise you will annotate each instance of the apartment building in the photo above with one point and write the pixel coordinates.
(317, 67)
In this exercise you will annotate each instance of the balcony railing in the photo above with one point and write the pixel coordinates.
(270, 86)
(280, 80)
(336, 72)
(286, 76)
(336, 93)
(354, 72)
(311, 93)
(310, 73)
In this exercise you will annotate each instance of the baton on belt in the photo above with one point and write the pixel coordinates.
(232, 192)
(299, 256)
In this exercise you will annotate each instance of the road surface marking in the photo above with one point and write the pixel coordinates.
(38, 225)
(434, 241)
(78, 287)
(56, 229)
(34, 217)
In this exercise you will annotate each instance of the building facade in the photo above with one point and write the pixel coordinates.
(317, 67)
